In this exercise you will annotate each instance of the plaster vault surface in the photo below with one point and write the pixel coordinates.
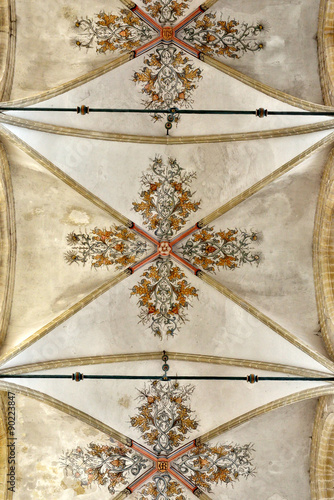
(165, 274)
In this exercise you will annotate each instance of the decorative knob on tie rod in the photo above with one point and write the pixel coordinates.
(77, 376)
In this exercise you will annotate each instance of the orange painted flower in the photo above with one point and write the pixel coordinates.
(117, 462)
(210, 38)
(210, 249)
(175, 309)
(203, 462)
(119, 247)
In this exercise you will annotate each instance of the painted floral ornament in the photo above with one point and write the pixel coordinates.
(166, 203)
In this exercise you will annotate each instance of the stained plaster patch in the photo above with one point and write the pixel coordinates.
(76, 216)
(34, 213)
(124, 401)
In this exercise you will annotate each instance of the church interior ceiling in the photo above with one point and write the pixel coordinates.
(166, 326)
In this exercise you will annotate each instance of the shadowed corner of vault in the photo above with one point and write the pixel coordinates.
(56, 236)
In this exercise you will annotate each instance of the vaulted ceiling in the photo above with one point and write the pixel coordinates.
(178, 264)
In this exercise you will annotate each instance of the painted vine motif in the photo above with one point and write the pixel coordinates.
(166, 200)
(209, 465)
(103, 464)
(123, 32)
(161, 488)
(166, 11)
(168, 79)
(164, 418)
(164, 295)
(225, 38)
(212, 250)
(117, 246)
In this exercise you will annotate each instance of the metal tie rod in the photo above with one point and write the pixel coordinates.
(261, 112)
(80, 376)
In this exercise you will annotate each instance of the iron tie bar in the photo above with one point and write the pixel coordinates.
(77, 376)
(261, 112)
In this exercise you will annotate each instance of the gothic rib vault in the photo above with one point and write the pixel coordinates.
(206, 252)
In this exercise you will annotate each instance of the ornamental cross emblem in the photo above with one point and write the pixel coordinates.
(167, 467)
(166, 203)
(172, 43)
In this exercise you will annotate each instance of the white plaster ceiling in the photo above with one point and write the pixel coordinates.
(285, 452)
(280, 286)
